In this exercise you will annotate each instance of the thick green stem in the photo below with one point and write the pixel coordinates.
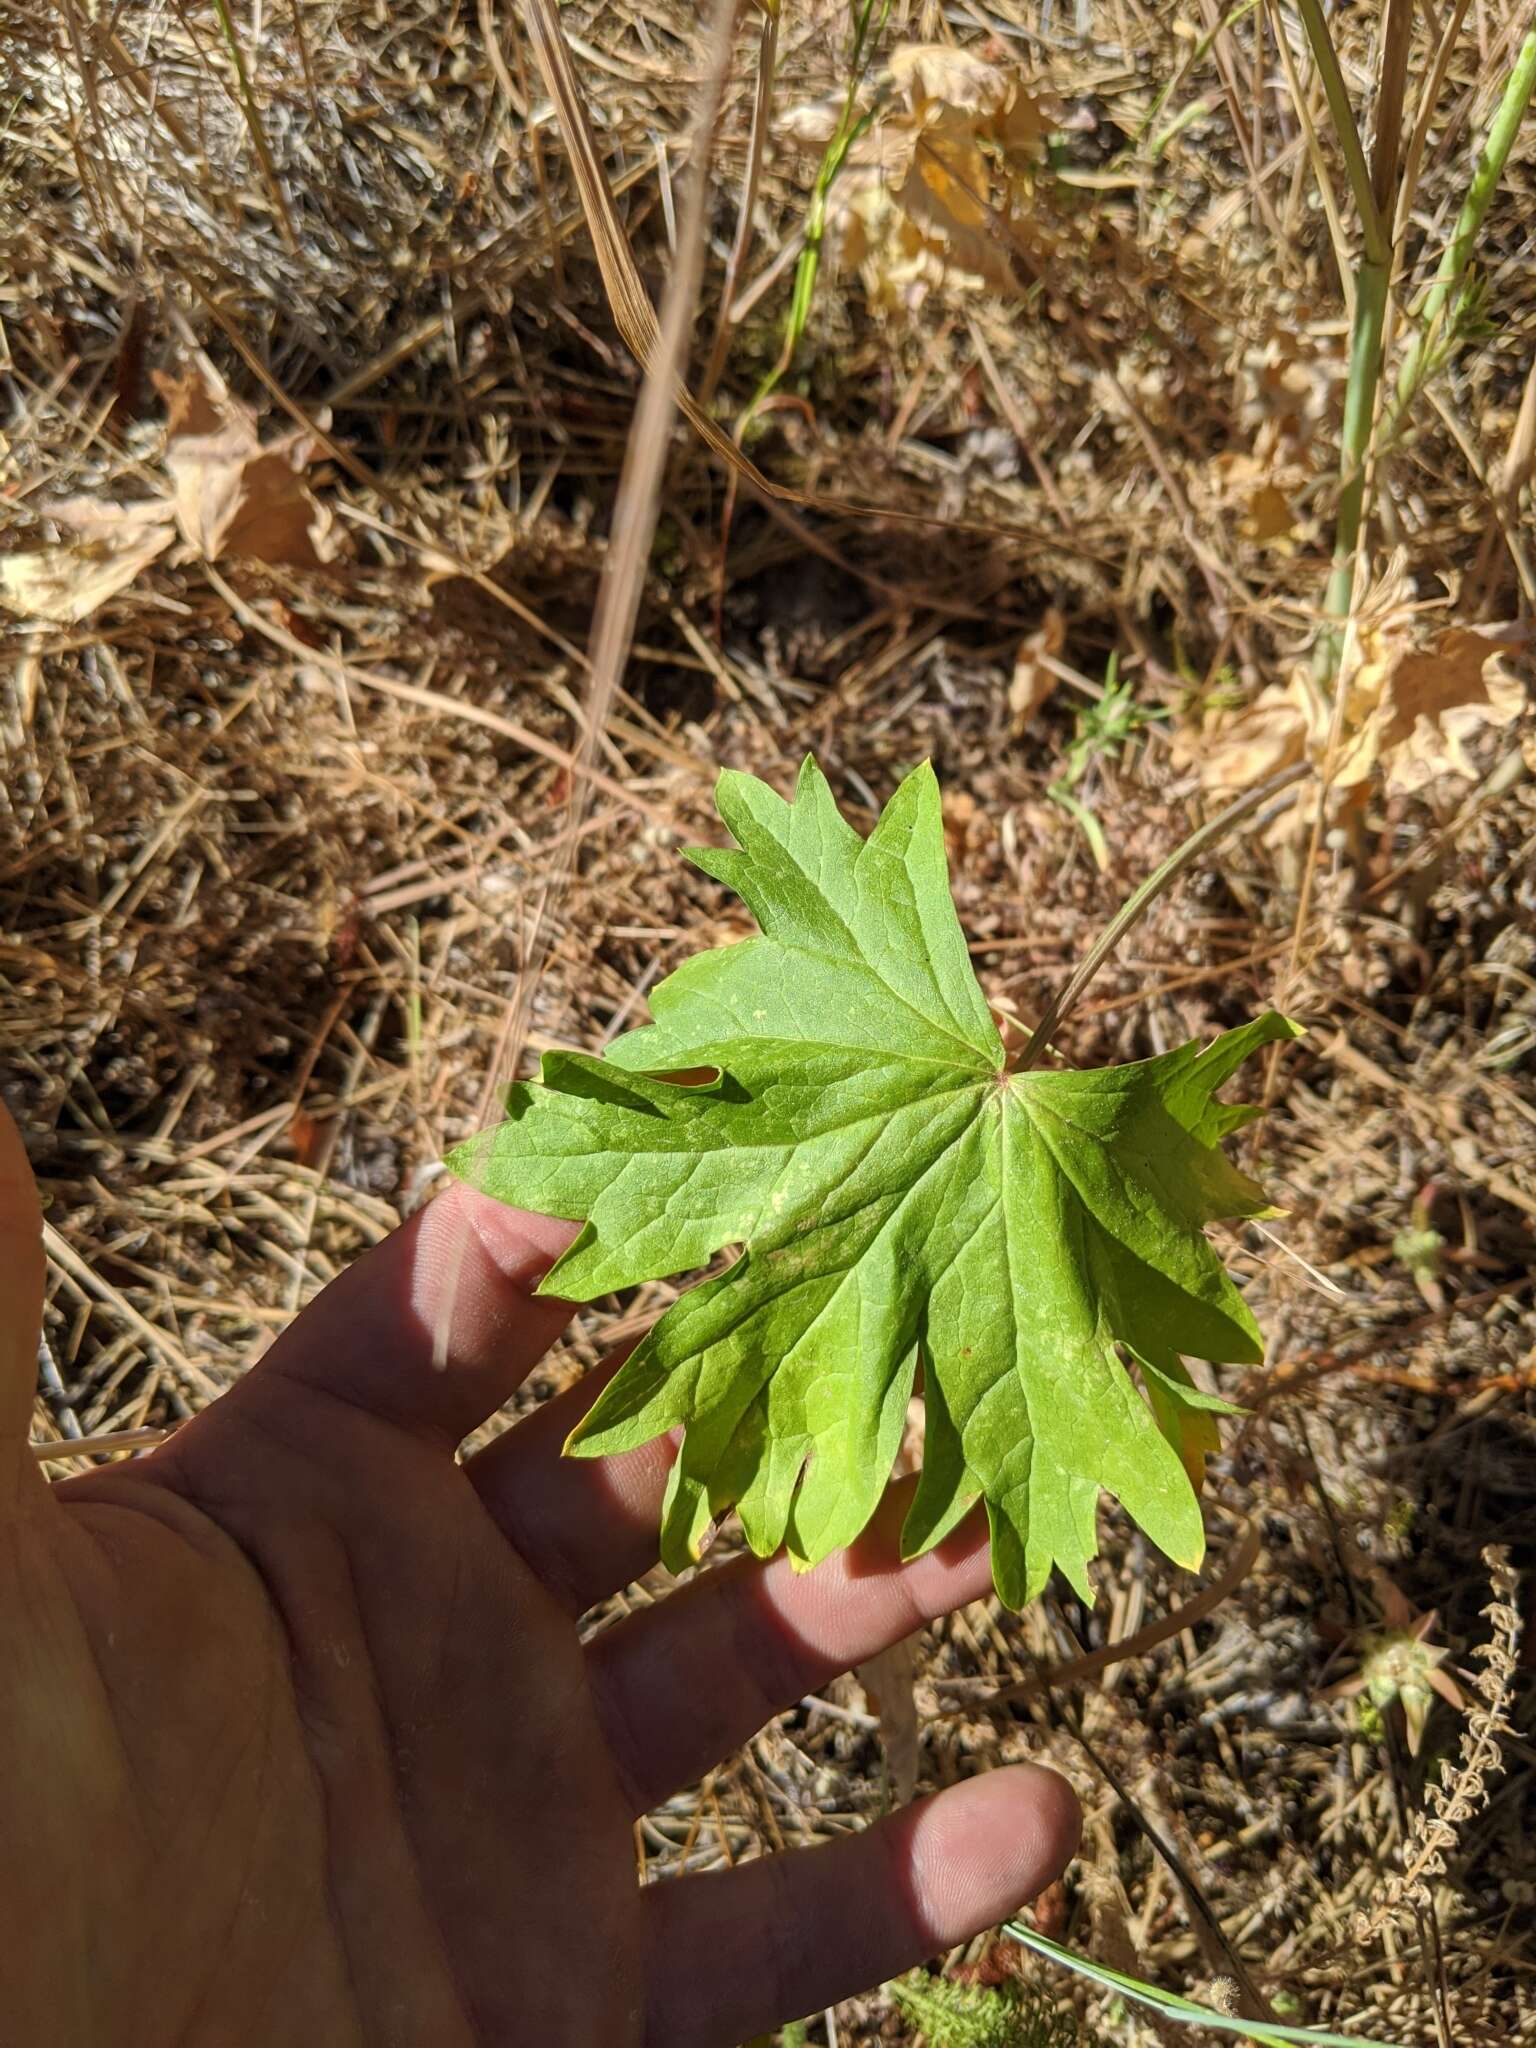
(1371, 284)
(1372, 280)
(1458, 251)
(1375, 238)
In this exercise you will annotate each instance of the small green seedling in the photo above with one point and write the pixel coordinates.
(1102, 730)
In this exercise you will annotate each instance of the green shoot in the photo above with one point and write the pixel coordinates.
(865, 31)
(1450, 312)
(1103, 730)
(1372, 284)
(1453, 307)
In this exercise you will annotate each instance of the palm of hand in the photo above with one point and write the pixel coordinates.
(304, 1744)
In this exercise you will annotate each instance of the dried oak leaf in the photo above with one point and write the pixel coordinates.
(235, 496)
(1263, 495)
(1033, 680)
(65, 583)
(190, 406)
(943, 167)
(1413, 697)
(232, 493)
(1434, 698)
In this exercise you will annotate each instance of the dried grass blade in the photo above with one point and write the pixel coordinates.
(635, 316)
(635, 506)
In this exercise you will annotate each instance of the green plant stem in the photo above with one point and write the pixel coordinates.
(1376, 241)
(851, 125)
(1511, 110)
(1141, 900)
(1183, 2011)
(1373, 277)
(1371, 286)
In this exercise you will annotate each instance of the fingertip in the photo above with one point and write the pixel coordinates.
(855, 1911)
(988, 1846)
(437, 1325)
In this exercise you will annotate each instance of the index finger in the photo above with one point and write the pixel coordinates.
(437, 1326)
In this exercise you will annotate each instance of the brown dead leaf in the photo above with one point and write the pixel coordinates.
(1285, 390)
(1271, 515)
(1436, 697)
(190, 406)
(65, 583)
(1233, 750)
(229, 495)
(234, 496)
(1033, 681)
(1413, 696)
(1262, 489)
(889, 1680)
(308, 1136)
(946, 170)
(944, 195)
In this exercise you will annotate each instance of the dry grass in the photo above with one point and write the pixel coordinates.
(276, 838)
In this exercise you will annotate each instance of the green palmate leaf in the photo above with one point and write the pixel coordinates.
(899, 1196)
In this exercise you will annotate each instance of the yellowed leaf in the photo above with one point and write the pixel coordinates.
(950, 155)
(814, 123)
(940, 71)
(1261, 489)
(1232, 750)
(1270, 513)
(1438, 696)
(105, 519)
(65, 583)
(1033, 681)
(1412, 698)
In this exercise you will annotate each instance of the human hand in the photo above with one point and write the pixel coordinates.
(301, 1745)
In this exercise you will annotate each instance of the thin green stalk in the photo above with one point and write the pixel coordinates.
(1183, 2011)
(1432, 314)
(1199, 51)
(1140, 901)
(851, 125)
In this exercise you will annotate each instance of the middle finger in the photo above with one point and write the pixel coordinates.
(764, 1635)
(585, 1526)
